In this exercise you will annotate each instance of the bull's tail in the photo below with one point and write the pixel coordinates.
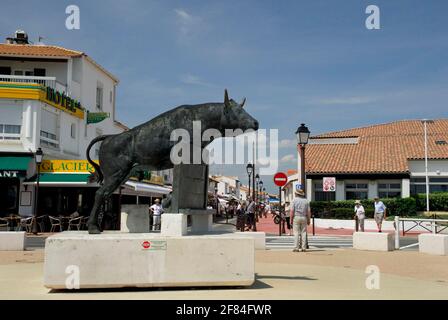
(98, 174)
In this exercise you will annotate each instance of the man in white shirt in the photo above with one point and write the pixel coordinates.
(360, 215)
(157, 211)
(380, 213)
(300, 215)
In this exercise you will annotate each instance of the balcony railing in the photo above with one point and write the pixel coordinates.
(46, 81)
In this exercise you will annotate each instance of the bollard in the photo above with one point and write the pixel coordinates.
(397, 232)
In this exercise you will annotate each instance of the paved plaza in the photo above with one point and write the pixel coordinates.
(321, 273)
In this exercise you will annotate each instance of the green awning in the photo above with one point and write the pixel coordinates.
(62, 179)
(15, 163)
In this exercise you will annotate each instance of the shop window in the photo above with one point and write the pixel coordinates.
(436, 184)
(320, 195)
(9, 132)
(9, 196)
(356, 191)
(389, 190)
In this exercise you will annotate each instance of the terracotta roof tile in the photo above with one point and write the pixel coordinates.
(384, 148)
(28, 50)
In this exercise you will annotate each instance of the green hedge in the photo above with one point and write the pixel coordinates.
(437, 201)
(345, 209)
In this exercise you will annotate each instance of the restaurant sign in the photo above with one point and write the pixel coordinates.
(66, 166)
(9, 174)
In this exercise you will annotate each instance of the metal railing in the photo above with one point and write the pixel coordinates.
(46, 81)
(436, 226)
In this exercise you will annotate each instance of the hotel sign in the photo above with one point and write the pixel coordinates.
(66, 166)
(63, 102)
(34, 91)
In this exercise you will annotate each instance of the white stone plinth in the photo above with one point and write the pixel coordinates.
(433, 243)
(258, 236)
(201, 223)
(12, 240)
(117, 260)
(375, 241)
(134, 218)
(174, 224)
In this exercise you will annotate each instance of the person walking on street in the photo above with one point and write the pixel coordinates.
(287, 217)
(251, 213)
(380, 213)
(300, 215)
(360, 215)
(157, 211)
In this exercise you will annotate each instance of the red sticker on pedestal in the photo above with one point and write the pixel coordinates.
(146, 244)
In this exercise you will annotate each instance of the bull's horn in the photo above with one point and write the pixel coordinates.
(243, 102)
(226, 98)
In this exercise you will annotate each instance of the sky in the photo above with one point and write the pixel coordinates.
(310, 62)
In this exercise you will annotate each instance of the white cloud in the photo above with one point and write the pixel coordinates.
(287, 143)
(188, 24)
(345, 100)
(184, 15)
(194, 80)
(288, 158)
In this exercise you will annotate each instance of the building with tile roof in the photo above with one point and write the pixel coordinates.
(385, 160)
(58, 100)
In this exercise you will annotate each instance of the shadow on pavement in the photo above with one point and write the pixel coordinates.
(284, 277)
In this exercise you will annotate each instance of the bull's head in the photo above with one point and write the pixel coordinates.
(235, 116)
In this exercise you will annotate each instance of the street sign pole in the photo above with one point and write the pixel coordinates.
(280, 210)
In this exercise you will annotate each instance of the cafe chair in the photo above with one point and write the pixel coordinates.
(55, 223)
(41, 222)
(84, 223)
(75, 223)
(27, 224)
(4, 225)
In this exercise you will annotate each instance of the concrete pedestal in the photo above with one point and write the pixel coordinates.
(117, 260)
(174, 224)
(134, 218)
(436, 244)
(374, 241)
(258, 236)
(201, 223)
(12, 240)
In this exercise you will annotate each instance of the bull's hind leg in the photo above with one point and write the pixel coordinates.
(111, 183)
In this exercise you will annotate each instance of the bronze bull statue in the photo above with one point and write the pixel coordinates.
(149, 145)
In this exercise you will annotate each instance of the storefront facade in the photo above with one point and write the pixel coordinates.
(58, 100)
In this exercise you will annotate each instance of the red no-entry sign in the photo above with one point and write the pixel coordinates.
(280, 179)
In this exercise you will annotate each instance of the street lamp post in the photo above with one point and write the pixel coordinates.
(303, 134)
(257, 181)
(38, 158)
(425, 128)
(249, 169)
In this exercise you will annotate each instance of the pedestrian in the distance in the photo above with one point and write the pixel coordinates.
(300, 215)
(360, 215)
(287, 217)
(251, 213)
(380, 213)
(157, 211)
